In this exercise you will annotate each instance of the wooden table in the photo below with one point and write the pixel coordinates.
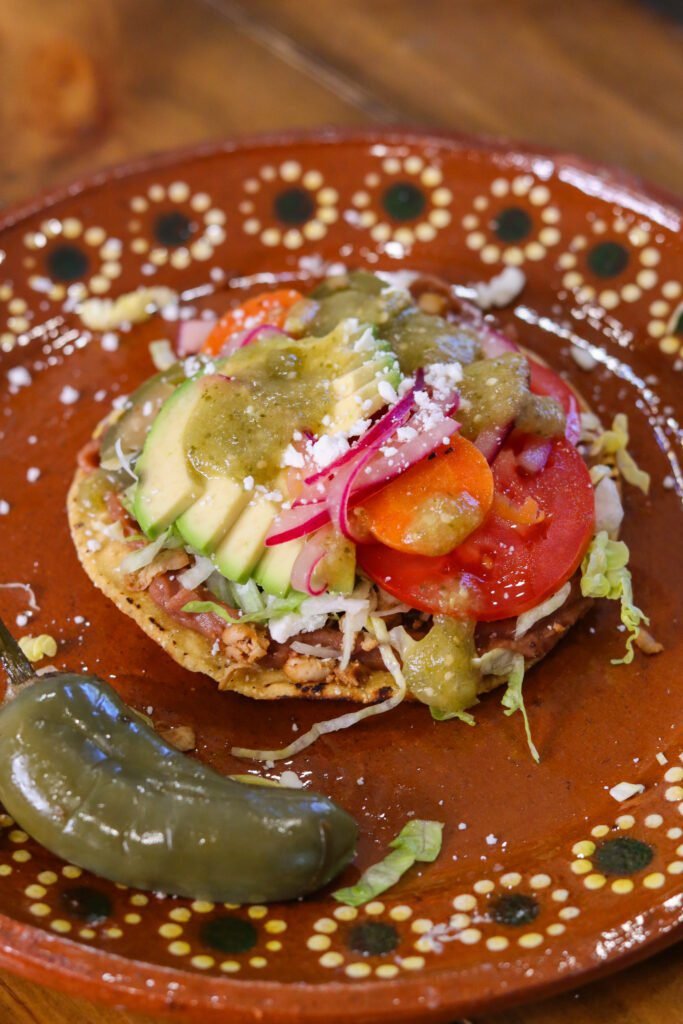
(84, 84)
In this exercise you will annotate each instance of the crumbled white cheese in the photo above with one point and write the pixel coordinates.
(4, 507)
(248, 483)
(668, 483)
(328, 448)
(32, 474)
(501, 289)
(387, 392)
(69, 395)
(625, 790)
(131, 308)
(583, 358)
(19, 377)
(109, 341)
(406, 433)
(291, 457)
(291, 780)
(443, 378)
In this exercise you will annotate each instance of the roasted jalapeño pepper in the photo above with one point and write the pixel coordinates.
(87, 778)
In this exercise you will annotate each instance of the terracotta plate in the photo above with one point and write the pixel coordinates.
(544, 878)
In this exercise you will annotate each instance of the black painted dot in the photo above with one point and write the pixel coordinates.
(229, 934)
(373, 938)
(515, 909)
(67, 262)
(173, 228)
(294, 206)
(623, 856)
(91, 905)
(404, 201)
(608, 259)
(678, 325)
(512, 224)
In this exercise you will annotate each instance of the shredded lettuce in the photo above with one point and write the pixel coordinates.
(528, 619)
(417, 841)
(615, 442)
(501, 661)
(279, 606)
(605, 573)
(444, 716)
(141, 557)
(248, 597)
(343, 721)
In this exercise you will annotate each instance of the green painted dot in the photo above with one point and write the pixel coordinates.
(515, 909)
(608, 259)
(85, 903)
(294, 206)
(229, 934)
(623, 856)
(173, 228)
(404, 201)
(512, 224)
(67, 263)
(373, 938)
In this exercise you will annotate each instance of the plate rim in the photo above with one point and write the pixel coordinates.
(29, 951)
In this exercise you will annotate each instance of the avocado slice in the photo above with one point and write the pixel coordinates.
(212, 515)
(274, 571)
(241, 549)
(167, 485)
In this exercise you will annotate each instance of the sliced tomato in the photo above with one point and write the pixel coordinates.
(434, 505)
(266, 308)
(545, 381)
(528, 546)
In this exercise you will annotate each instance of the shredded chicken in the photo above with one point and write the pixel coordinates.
(165, 561)
(646, 642)
(244, 644)
(303, 668)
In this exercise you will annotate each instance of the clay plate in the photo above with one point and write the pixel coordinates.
(544, 879)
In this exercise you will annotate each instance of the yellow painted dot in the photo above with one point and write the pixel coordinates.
(47, 878)
(404, 235)
(534, 251)
(345, 913)
(412, 963)
(179, 191)
(549, 236)
(270, 237)
(132, 919)
(460, 921)
(674, 774)
(202, 962)
(200, 202)
(442, 196)
(540, 881)
(440, 218)
(5, 870)
(374, 908)
(500, 187)
(35, 892)
(256, 912)
(274, 945)
(21, 856)
(204, 907)
(679, 849)
(292, 239)
(539, 195)
(622, 886)
(95, 236)
(386, 971)
(423, 945)
(475, 240)
(560, 895)
(312, 179)
(497, 943)
(170, 931)
(566, 261)
(391, 165)
(327, 214)
(675, 867)
(594, 881)
(631, 293)
(181, 914)
(530, 940)
(139, 899)
(400, 913)
(276, 926)
(654, 881)
(425, 232)
(5, 820)
(327, 196)
(625, 821)
(319, 942)
(656, 328)
(650, 257)
(39, 909)
(483, 886)
(413, 164)
(468, 902)
(581, 867)
(646, 278)
(674, 793)
(583, 849)
(87, 933)
(567, 913)
(669, 345)
(331, 960)
(654, 821)
(490, 253)
(380, 232)
(431, 176)
(671, 289)
(470, 221)
(480, 203)
(511, 879)
(232, 906)
(358, 970)
(179, 948)
(230, 966)
(421, 925)
(556, 929)
(608, 298)
(17, 836)
(60, 926)
(326, 925)
(113, 933)
(469, 936)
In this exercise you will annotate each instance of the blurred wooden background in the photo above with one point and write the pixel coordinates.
(84, 83)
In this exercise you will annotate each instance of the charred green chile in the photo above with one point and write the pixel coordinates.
(93, 783)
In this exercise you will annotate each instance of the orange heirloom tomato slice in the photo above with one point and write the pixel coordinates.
(266, 308)
(431, 507)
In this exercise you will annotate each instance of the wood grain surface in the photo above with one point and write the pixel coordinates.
(85, 84)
